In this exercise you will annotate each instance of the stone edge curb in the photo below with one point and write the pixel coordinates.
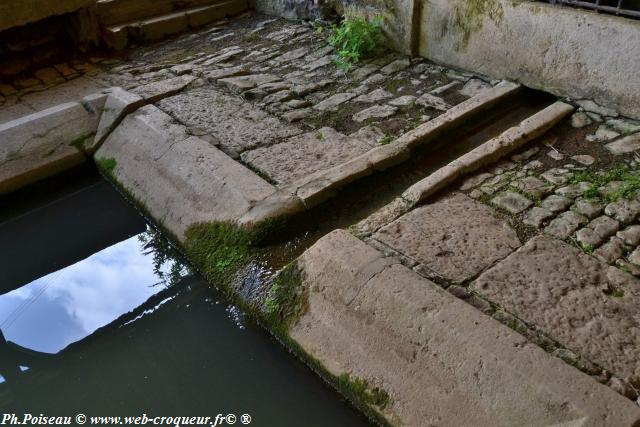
(486, 154)
(318, 187)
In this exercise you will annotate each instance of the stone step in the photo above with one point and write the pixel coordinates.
(158, 27)
(114, 12)
(414, 354)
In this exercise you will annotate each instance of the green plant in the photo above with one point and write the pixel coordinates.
(588, 248)
(107, 164)
(355, 38)
(387, 139)
(286, 299)
(630, 180)
(359, 389)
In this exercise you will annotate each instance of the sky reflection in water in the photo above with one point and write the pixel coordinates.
(65, 306)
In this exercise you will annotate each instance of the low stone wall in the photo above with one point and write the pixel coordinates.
(14, 13)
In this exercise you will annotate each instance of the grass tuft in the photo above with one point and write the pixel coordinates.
(354, 38)
(107, 164)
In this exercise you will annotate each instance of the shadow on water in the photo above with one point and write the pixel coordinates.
(102, 316)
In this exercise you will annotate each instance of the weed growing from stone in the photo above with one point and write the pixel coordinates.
(107, 164)
(354, 39)
(587, 248)
(630, 180)
(359, 389)
(285, 300)
(388, 139)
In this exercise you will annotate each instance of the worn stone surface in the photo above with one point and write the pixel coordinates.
(570, 295)
(536, 216)
(630, 235)
(556, 203)
(588, 208)
(375, 112)
(119, 103)
(564, 225)
(332, 103)
(155, 91)
(626, 145)
(534, 186)
(238, 125)
(371, 318)
(432, 101)
(474, 87)
(610, 251)
(580, 120)
(512, 202)
(456, 237)
(39, 145)
(375, 95)
(623, 210)
(305, 154)
(241, 83)
(180, 179)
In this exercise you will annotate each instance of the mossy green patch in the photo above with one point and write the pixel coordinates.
(286, 299)
(218, 249)
(469, 17)
(629, 179)
(358, 388)
(107, 165)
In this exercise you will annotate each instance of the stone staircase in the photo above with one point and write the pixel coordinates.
(135, 21)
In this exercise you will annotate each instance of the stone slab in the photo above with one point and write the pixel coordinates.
(236, 123)
(180, 179)
(305, 154)
(570, 296)
(441, 361)
(456, 237)
(31, 142)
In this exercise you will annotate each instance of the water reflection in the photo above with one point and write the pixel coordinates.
(60, 308)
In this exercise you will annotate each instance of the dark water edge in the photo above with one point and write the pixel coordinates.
(180, 350)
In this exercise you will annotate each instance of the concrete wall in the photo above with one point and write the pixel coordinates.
(20, 12)
(565, 51)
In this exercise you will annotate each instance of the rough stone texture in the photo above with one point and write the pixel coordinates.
(307, 153)
(588, 209)
(375, 112)
(610, 251)
(242, 83)
(630, 235)
(564, 225)
(39, 145)
(556, 203)
(534, 186)
(580, 120)
(237, 124)
(626, 145)
(180, 179)
(474, 87)
(432, 101)
(119, 103)
(155, 91)
(537, 216)
(334, 101)
(544, 46)
(569, 295)
(623, 210)
(376, 320)
(512, 202)
(456, 237)
(376, 95)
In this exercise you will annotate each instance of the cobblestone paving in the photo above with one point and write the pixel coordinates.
(265, 86)
(570, 287)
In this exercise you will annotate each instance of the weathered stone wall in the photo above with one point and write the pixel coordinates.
(14, 13)
(397, 14)
(565, 51)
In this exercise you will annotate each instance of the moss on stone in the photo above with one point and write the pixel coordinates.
(359, 389)
(469, 16)
(286, 299)
(107, 165)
